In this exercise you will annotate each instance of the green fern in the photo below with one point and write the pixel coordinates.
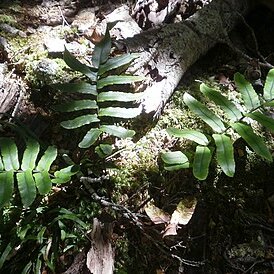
(30, 176)
(234, 123)
(98, 79)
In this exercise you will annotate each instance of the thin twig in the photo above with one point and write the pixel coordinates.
(65, 22)
(125, 212)
(188, 262)
(254, 40)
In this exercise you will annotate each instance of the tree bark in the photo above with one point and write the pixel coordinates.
(100, 258)
(167, 52)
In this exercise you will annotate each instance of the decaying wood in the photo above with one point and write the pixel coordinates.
(100, 258)
(167, 52)
(12, 91)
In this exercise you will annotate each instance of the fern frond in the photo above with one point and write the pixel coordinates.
(204, 113)
(201, 162)
(102, 100)
(31, 175)
(224, 132)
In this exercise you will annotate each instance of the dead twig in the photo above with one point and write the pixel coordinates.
(125, 212)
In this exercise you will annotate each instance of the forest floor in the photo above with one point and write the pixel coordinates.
(231, 229)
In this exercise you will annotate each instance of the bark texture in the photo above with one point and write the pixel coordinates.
(100, 258)
(167, 52)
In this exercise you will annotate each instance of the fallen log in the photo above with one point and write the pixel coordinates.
(167, 52)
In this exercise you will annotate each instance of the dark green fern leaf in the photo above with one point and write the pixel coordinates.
(31, 175)
(101, 101)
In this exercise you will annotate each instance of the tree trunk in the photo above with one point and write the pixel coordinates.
(167, 52)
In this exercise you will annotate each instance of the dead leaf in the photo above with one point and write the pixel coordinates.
(171, 229)
(184, 211)
(95, 36)
(157, 215)
(181, 216)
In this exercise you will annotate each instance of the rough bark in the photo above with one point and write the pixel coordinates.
(167, 52)
(100, 258)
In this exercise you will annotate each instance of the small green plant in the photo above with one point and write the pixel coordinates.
(29, 175)
(46, 234)
(234, 122)
(98, 79)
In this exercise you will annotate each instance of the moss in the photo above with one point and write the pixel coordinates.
(7, 19)
(26, 53)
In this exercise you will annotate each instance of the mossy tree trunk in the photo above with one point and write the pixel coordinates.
(167, 52)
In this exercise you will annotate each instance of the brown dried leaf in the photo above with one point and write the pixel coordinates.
(95, 36)
(171, 229)
(181, 216)
(157, 215)
(184, 211)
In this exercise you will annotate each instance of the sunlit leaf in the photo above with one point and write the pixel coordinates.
(101, 50)
(118, 96)
(176, 166)
(189, 134)
(40, 235)
(266, 121)
(26, 186)
(269, 103)
(22, 231)
(228, 107)
(43, 182)
(81, 87)
(64, 175)
(184, 211)
(76, 105)
(38, 266)
(250, 97)
(269, 86)
(90, 138)
(175, 160)
(27, 268)
(117, 62)
(118, 80)
(156, 215)
(75, 64)
(30, 154)
(225, 153)
(204, 113)
(80, 121)
(201, 162)
(117, 131)
(9, 154)
(253, 140)
(6, 187)
(119, 112)
(181, 216)
(47, 159)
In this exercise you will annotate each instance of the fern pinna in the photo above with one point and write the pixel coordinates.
(236, 123)
(98, 79)
(29, 175)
